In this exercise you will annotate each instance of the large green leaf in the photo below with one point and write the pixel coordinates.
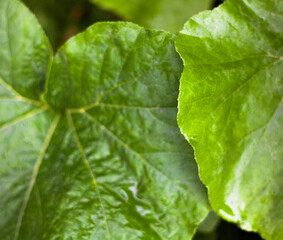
(231, 111)
(101, 157)
(158, 14)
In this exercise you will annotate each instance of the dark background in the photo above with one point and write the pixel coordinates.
(227, 231)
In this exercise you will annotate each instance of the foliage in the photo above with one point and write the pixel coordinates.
(231, 111)
(158, 14)
(89, 142)
(99, 155)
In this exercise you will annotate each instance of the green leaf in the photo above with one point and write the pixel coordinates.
(231, 111)
(209, 224)
(100, 156)
(158, 14)
(25, 50)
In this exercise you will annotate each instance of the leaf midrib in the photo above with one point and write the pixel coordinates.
(94, 120)
(94, 181)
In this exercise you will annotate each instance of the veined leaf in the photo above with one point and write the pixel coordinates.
(101, 156)
(25, 52)
(158, 14)
(231, 111)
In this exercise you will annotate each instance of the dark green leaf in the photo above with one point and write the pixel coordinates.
(101, 157)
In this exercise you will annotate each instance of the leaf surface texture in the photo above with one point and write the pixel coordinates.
(231, 111)
(99, 155)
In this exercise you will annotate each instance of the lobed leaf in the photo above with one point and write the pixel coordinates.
(99, 156)
(231, 111)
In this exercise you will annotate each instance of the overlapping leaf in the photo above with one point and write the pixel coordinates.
(101, 157)
(158, 14)
(231, 111)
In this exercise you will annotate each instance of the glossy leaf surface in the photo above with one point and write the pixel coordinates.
(231, 111)
(158, 14)
(100, 156)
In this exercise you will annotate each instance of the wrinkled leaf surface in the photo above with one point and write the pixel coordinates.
(99, 156)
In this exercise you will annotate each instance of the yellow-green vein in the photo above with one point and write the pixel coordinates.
(34, 174)
(19, 96)
(22, 117)
(89, 169)
(130, 149)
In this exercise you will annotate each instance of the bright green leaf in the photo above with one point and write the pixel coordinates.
(231, 111)
(158, 14)
(101, 157)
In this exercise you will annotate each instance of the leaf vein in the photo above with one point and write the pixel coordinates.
(245, 82)
(19, 96)
(265, 131)
(35, 173)
(22, 117)
(126, 146)
(89, 170)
